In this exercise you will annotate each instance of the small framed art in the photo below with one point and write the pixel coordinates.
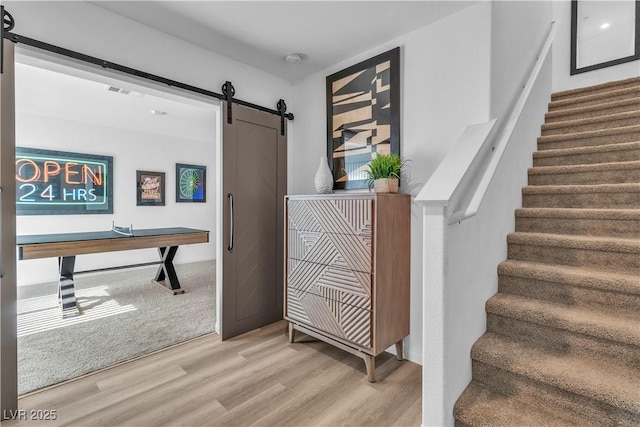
(150, 188)
(191, 183)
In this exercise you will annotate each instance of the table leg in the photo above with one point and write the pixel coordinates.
(166, 274)
(66, 287)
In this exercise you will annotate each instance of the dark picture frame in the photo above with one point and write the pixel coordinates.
(363, 117)
(150, 188)
(191, 183)
(576, 26)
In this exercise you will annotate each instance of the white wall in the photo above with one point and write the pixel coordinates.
(518, 30)
(562, 80)
(131, 151)
(462, 271)
(476, 246)
(444, 73)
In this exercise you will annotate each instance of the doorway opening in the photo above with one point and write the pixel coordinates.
(63, 107)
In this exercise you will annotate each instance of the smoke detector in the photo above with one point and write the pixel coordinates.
(293, 58)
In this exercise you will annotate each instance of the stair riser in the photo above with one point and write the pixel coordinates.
(620, 262)
(612, 176)
(573, 226)
(630, 200)
(553, 118)
(563, 341)
(545, 395)
(559, 96)
(563, 293)
(589, 158)
(589, 141)
(609, 124)
(576, 103)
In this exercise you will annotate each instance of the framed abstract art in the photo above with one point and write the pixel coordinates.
(363, 117)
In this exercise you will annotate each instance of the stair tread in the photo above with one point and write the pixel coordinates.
(591, 167)
(582, 188)
(601, 323)
(610, 383)
(579, 213)
(554, 152)
(589, 134)
(587, 89)
(589, 108)
(578, 276)
(598, 243)
(590, 97)
(479, 405)
(592, 120)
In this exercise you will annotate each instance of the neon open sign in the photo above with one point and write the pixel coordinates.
(63, 183)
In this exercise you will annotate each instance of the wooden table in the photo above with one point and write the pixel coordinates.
(67, 246)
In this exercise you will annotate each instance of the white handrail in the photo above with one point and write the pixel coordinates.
(505, 137)
(450, 173)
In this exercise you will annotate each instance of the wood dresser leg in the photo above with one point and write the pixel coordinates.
(399, 354)
(370, 363)
(292, 333)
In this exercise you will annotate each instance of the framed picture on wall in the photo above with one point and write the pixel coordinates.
(363, 117)
(603, 34)
(191, 183)
(150, 188)
(63, 183)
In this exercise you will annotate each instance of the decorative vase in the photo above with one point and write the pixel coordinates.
(386, 185)
(324, 178)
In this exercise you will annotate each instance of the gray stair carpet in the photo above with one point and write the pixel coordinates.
(562, 346)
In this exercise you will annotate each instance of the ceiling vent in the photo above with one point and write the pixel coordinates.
(124, 91)
(118, 89)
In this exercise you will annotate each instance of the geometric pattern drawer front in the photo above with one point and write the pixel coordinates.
(340, 250)
(332, 216)
(338, 319)
(346, 286)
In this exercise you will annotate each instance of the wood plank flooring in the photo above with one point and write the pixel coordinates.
(256, 379)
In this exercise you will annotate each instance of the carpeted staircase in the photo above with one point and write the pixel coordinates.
(562, 345)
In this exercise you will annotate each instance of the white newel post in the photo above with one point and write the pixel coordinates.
(433, 351)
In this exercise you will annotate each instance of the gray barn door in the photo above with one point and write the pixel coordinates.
(254, 184)
(8, 314)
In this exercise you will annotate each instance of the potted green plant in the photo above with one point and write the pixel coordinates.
(383, 173)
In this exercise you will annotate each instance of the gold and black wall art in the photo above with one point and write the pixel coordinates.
(363, 117)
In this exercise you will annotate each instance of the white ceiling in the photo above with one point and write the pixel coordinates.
(262, 33)
(84, 98)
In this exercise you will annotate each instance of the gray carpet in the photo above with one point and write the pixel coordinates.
(124, 315)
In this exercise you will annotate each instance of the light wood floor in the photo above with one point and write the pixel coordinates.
(256, 379)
